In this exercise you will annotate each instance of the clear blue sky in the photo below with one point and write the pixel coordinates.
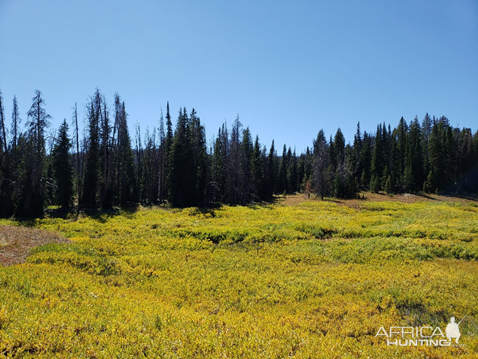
(289, 68)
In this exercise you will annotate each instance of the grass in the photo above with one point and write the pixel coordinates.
(299, 278)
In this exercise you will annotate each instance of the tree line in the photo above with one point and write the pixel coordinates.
(104, 167)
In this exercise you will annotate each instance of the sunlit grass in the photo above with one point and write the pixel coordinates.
(316, 279)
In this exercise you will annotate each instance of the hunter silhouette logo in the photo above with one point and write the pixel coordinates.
(452, 330)
(423, 336)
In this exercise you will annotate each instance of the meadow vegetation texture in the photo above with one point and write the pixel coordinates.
(315, 279)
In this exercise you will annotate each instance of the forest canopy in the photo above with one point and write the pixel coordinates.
(173, 164)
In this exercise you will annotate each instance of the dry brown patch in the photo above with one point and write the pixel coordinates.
(16, 243)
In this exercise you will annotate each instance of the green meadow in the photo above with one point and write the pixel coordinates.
(302, 279)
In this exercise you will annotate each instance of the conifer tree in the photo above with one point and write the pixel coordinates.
(321, 169)
(432, 182)
(271, 174)
(257, 169)
(6, 181)
(233, 172)
(78, 155)
(62, 168)
(168, 144)
(182, 179)
(16, 120)
(219, 162)
(402, 150)
(292, 172)
(199, 154)
(426, 132)
(414, 161)
(106, 194)
(377, 164)
(246, 184)
(147, 181)
(357, 163)
(162, 161)
(282, 175)
(339, 146)
(90, 181)
(125, 171)
(31, 199)
(3, 133)
(365, 161)
(467, 162)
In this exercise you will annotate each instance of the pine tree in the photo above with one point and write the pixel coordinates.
(379, 159)
(233, 170)
(219, 162)
(62, 168)
(3, 133)
(339, 146)
(168, 144)
(30, 187)
(125, 171)
(148, 185)
(426, 131)
(321, 179)
(271, 174)
(90, 181)
(365, 161)
(138, 151)
(106, 194)
(292, 172)
(414, 161)
(6, 180)
(78, 154)
(162, 161)
(199, 153)
(432, 182)
(282, 179)
(257, 169)
(37, 123)
(16, 120)
(246, 184)
(467, 162)
(356, 159)
(182, 179)
(402, 150)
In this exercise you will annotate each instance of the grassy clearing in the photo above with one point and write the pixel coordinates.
(308, 279)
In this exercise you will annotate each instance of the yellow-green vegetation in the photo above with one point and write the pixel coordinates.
(310, 280)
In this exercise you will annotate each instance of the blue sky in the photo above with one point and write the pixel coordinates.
(288, 68)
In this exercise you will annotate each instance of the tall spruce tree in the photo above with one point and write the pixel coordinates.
(90, 181)
(6, 180)
(414, 162)
(162, 161)
(168, 145)
(257, 171)
(282, 175)
(32, 196)
(219, 163)
(321, 166)
(62, 168)
(271, 174)
(199, 152)
(78, 155)
(125, 171)
(292, 172)
(181, 178)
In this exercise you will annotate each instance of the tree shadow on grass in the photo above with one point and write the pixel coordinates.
(74, 213)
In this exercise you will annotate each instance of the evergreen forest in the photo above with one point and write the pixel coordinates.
(105, 166)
